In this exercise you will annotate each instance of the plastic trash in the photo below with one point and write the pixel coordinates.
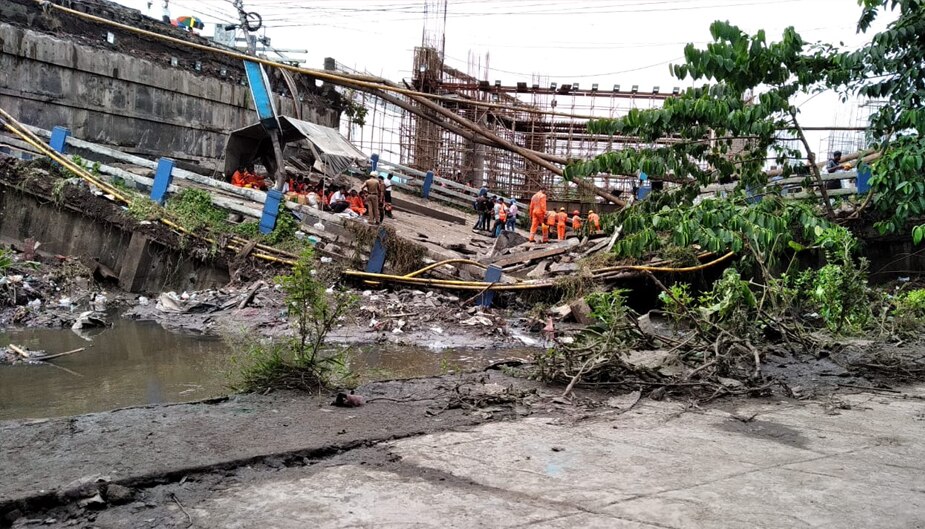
(143, 301)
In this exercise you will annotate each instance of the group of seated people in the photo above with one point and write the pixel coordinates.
(320, 195)
(245, 176)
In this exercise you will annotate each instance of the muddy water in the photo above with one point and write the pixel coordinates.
(138, 363)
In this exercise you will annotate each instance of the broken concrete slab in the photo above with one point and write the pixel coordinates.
(507, 239)
(562, 311)
(582, 312)
(564, 268)
(539, 272)
(527, 256)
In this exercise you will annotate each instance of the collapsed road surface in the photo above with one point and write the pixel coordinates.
(854, 458)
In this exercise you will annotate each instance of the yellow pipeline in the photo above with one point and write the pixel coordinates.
(446, 262)
(643, 268)
(67, 163)
(444, 283)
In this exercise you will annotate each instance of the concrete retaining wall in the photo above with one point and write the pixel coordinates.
(142, 264)
(119, 99)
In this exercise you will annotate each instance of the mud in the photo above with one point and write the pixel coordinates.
(54, 462)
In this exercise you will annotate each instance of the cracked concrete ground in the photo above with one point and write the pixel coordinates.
(851, 461)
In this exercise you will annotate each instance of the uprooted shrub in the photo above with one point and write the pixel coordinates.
(598, 355)
(300, 361)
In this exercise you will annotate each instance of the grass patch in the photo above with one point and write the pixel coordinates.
(193, 209)
(143, 208)
(402, 257)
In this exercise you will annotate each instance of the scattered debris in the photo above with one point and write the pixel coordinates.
(348, 400)
(89, 320)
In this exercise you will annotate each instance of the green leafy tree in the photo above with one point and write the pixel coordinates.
(729, 127)
(891, 69)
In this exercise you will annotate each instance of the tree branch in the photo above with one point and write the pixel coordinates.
(811, 156)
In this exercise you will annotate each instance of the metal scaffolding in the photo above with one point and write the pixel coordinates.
(538, 115)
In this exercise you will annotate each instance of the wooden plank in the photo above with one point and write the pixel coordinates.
(524, 257)
(613, 239)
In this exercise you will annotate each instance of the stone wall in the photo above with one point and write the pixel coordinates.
(131, 95)
(142, 264)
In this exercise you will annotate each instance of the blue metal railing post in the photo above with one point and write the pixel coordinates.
(162, 178)
(428, 182)
(59, 138)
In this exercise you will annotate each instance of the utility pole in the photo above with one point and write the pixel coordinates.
(259, 86)
(247, 28)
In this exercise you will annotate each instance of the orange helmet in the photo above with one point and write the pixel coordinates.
(576, 212)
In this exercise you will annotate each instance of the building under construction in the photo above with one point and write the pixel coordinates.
(536, 114)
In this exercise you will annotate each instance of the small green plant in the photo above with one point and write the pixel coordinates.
(6, 260)
(908, 311)
(677, 301)
(840, 292)
(839, 288)
(730, 304)
(299, 361)
(609, 308)
(249, 230)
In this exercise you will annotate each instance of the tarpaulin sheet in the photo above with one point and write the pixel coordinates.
(253, 143)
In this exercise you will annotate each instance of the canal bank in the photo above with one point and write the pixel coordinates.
(522, 456)
(49, 462)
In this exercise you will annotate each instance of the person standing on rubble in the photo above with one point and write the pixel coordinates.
(387, 192)
(561, 220)
(372, 188)
(537, 214)
(594, 221)
(551, 220)
(481, 203)
(500, 214)
(576, 221)
(512, 215)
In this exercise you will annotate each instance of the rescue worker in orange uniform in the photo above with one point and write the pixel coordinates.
(594, 221)
(238, 179)
(537, 214)
(576, 221)
(551, 220)
(561, 220)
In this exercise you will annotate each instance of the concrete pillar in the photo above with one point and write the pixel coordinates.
(135, 263)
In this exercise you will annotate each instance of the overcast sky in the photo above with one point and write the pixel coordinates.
(608, 42)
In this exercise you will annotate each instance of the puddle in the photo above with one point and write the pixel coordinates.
(129, 364)
(137, 363)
